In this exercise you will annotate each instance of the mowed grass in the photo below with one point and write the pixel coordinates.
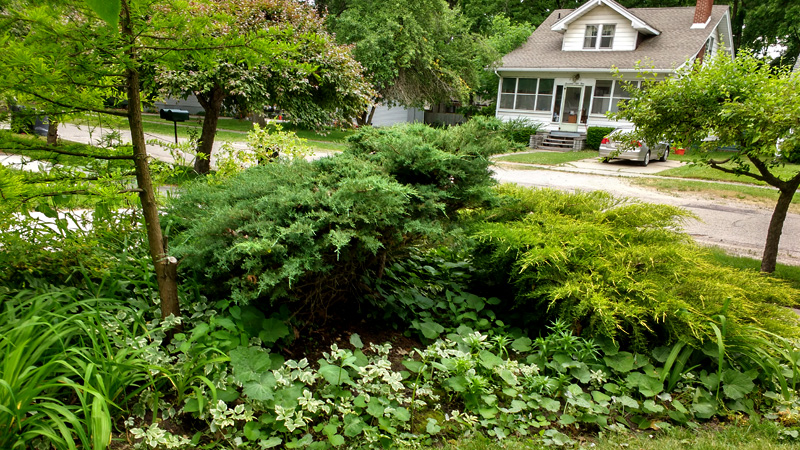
(228, 129)
(761, 196)
(703, 172)
(789, 274)
(548, 158)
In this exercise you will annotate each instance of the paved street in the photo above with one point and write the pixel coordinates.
(737, 227)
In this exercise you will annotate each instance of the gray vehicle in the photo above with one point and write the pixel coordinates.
(612, 148)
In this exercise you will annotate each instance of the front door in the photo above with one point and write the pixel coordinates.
(571, 108)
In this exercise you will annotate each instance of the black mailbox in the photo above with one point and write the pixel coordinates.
(175, 115)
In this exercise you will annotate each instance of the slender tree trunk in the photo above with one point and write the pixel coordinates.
(212, 105)
(52, 131)
(770, 257)
(165, 266)
(371, 115)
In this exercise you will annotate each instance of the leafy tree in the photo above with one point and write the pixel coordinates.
(286, 59)
(413, 51)
(742, 103)
(58, 57)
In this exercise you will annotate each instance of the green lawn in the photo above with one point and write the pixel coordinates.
(762, 196)
(548, 158)
(228, 129)
(790, 274)
(703, 172)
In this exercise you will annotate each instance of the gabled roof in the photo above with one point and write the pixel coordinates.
(637, 23)
(676, 43)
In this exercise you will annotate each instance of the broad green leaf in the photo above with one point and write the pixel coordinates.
(457, 383)
(336, 440)
(413, 366)
(107, 10)
(567, 419)
(626, 401)
(704, 409)
(508, 377)
(252, 430)
(736, 384)
(430, 329)
(622, 362)
(273, 330)
(303, 442)
(489, 360)
(550, 404)
(334, 375)
(262, 389)
(402, 414)
(271, 442)
(600, 397)
(355, 341)
(353, 425)
(522, 344)
(249, 362)
(649, 406)
(432, 427)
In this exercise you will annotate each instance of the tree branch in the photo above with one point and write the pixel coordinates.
(768, 177)
(77, 108)
(78, 192)
(69, 153)
(715, 165)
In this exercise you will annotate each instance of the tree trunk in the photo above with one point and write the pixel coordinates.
(770, 257)
(371, 115)
(212, 105)
(165, 266)
(52, 131)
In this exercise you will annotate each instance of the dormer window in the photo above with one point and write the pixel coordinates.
(599, 36)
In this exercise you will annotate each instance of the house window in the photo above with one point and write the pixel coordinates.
(605, 32)
(608, 94)
(545, 94)
(530, 94)
(709, 47)
(607, 37)
(526, 94)
(590, 38)
(507, 93)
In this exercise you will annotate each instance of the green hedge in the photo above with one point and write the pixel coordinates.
(596, 134)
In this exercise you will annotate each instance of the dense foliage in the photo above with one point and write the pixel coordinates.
(596, 134)
(310, 232)
(618, 269)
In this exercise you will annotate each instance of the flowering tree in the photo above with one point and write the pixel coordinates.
(743, 104)
(286, 59)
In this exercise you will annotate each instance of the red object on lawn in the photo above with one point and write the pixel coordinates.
(680, 151)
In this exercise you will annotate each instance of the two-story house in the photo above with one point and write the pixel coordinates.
(563, 75)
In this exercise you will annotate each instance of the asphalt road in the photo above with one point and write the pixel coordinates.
(738, 228)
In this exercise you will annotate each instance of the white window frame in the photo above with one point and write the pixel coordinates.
(597, 37)
(536, 95)
(613, 100)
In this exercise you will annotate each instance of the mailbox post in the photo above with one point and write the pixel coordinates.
(175, 115)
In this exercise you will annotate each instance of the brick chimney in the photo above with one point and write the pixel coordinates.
(702, 12)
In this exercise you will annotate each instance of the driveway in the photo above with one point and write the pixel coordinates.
(738, 228)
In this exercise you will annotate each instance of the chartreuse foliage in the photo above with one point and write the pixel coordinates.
(620, 269)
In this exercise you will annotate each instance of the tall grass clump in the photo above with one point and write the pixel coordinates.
(620, 269)
(68, 367)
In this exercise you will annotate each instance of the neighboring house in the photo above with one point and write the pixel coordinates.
(189, 104)
(563, 76)
(390, 115)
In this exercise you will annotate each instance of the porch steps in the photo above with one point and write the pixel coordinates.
(559, 141)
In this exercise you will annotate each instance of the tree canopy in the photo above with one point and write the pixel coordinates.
(286, 59)
(414, 51)
(736, 103)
